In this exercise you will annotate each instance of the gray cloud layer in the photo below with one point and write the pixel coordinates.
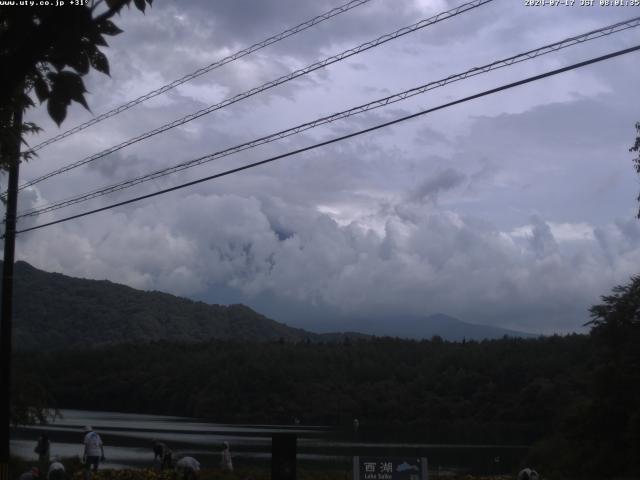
(516, 210)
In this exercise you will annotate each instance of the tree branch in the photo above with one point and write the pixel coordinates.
(111, 11)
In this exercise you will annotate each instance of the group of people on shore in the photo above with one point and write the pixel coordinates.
(187, 466)
(93, 455)
(52, 466)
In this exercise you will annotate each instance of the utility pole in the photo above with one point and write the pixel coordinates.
(13, 155)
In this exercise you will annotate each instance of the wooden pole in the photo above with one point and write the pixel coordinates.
(7, 294)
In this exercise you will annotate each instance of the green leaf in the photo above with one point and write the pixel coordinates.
(81, 100)
(66, 83)
(140, 4)
(57, 110)
(99, 62)
(95, 37)
(25, 101)
(57, 63)
(79, 62)
(73, 86)
(41, 88)
(107, 27)
(30, 127)
(114, 3)
(67, 86)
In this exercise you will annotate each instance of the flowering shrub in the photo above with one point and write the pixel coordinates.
(129, 474)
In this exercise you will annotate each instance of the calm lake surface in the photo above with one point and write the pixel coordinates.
(128, 438)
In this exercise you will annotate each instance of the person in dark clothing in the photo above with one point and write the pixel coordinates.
(42, 449)
(157, 450)
(163, 454)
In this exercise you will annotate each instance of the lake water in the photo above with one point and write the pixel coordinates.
(128, 438)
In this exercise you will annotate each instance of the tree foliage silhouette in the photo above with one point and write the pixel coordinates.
(46, 51)
(636, 161)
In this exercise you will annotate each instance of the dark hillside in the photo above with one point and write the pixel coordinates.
(53, 311)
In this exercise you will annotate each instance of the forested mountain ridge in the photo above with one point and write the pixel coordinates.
(54, 311)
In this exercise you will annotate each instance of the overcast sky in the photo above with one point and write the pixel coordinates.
(515, 210)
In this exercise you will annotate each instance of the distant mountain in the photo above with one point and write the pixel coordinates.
(425, 327)
(54, 311)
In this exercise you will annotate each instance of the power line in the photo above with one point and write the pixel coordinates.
(201, 71)
(298, 73)
(341, 138)
(531, 54)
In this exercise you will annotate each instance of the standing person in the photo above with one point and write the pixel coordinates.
(163, 453)
(189, 467)
(157, 451)
(56, 470)
(225, 458)
(93, 451)
(42, 449)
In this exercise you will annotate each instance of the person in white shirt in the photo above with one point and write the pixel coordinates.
(225, 458)
(93, 452)
(189, 467)
(56, 470)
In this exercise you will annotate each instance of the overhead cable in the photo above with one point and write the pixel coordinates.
(286, 78)
(201, 71)
(338, 139)
(529, 55)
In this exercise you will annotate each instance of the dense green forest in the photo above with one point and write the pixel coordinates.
(575, 398)
(510, 390)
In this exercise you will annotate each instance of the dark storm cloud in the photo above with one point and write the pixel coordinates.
(440, 182)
